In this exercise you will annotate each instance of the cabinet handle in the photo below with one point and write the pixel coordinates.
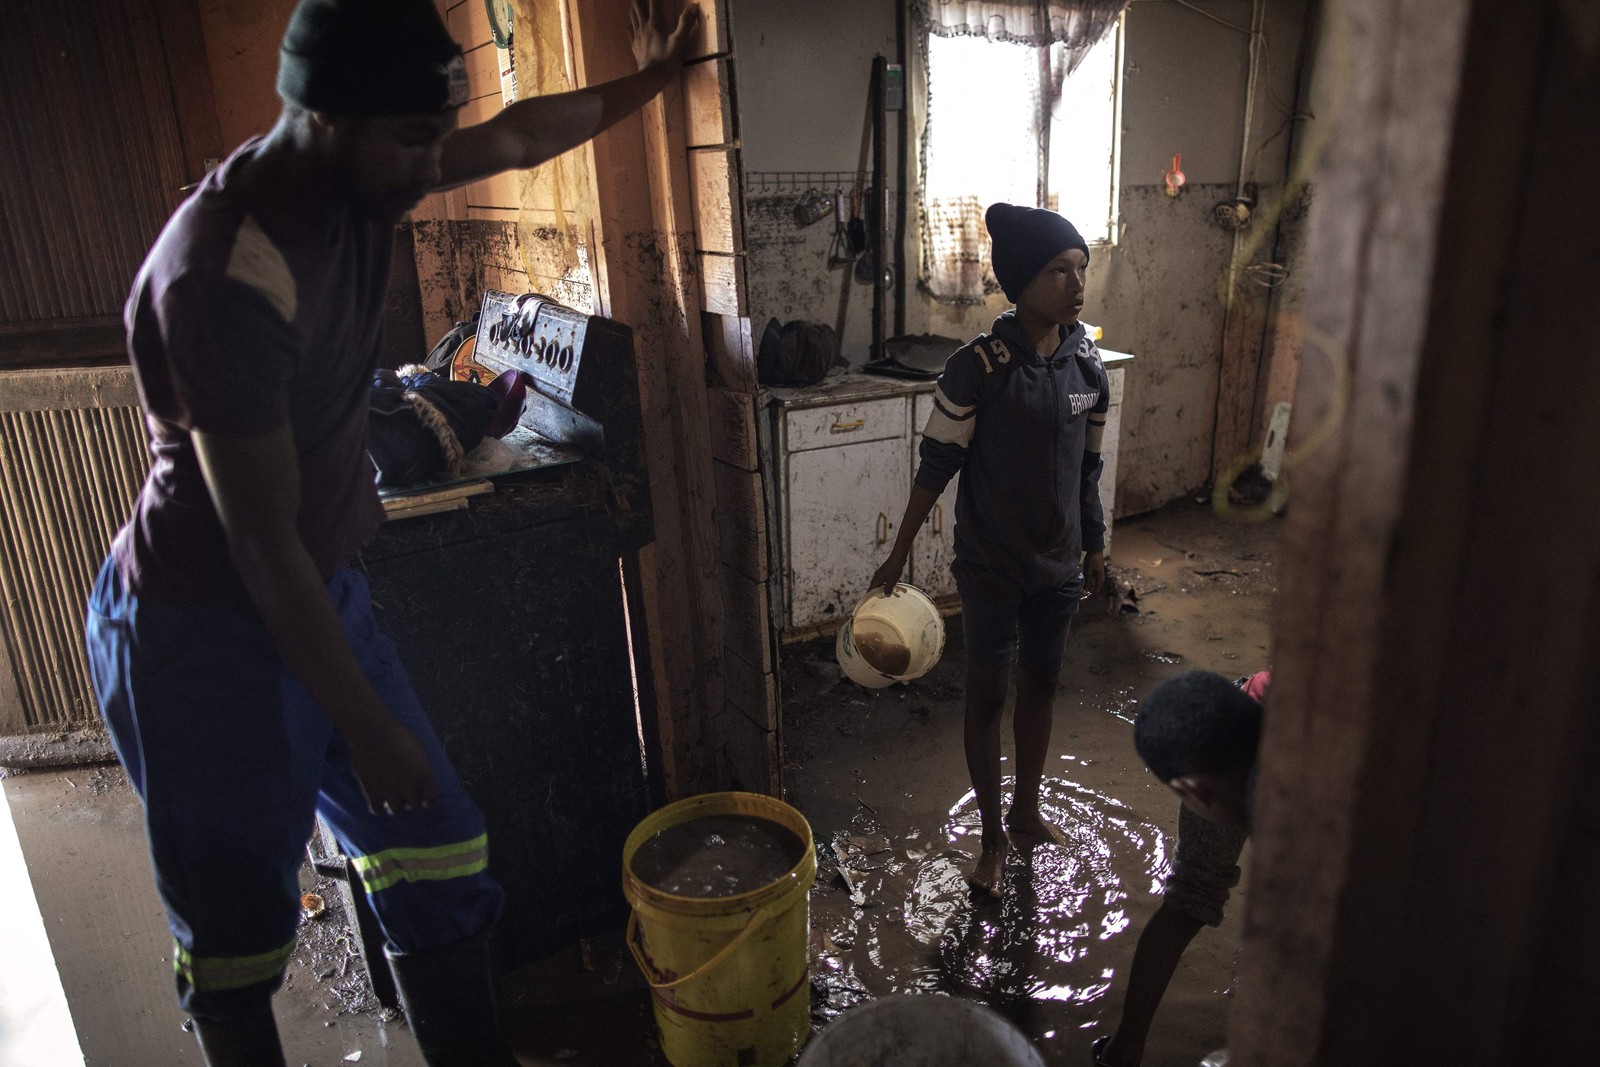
(938, 517)
(883, 528)
(847, 427)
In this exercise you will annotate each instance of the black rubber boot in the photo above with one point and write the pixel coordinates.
(449, 998)
(248, 1041)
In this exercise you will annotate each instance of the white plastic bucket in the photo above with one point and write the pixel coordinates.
(921, 1031)
(890, 639)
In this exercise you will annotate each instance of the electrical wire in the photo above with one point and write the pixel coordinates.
(1266, 49)
(1202, 11)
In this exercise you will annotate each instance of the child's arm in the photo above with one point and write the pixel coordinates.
(944, 447)
(917, 508)
(1091, 519)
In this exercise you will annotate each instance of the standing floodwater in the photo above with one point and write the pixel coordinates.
(717, 856)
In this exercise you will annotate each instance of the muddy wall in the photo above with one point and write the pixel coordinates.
(803, 75)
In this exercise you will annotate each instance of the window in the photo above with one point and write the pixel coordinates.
(1005, 121)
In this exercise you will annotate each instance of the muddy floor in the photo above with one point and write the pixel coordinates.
(881, 778)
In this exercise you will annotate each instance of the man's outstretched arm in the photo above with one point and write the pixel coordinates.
(532, 131)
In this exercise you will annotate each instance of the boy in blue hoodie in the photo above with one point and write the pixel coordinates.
(1019, 413)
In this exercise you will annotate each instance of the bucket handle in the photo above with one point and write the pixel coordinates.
(757, 920)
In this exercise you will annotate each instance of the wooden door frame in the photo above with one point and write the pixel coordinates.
(1422, 885)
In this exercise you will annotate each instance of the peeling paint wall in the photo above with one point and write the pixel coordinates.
(803, 78)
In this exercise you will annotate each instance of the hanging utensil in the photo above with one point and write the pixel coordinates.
(857, 228)
(839, 250)
(814, 205)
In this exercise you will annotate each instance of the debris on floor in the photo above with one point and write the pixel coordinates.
(326, 965)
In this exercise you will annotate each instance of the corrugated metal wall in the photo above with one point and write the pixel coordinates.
(106, 111)
(72, 460)
(91, 158)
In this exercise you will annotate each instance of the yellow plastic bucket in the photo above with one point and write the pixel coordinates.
(729, 975)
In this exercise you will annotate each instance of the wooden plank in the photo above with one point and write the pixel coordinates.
(419, 510)
(1497, 678)
(1233, 432)
(753, 695)
(747, 626)
(493, 214)
(732, 350)
(1381, 835)
(469, 25)
(503, 190)
(718, 227)
(1344, 512)
(57, 341)
(645, 276)
(483, 71)
(482, 109)
(506, 281)
(194, 99)
(62, 389)
(754, 757)
(439, 273)
(741, 522)
(714, 36)
(722, 283)
(708, 104)
(733, 428)
(448, 204)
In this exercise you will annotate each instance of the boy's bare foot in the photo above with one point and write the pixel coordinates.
(1032, 824)
(985, 876)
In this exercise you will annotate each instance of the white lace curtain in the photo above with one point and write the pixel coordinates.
(1077, 24)
(984, 119)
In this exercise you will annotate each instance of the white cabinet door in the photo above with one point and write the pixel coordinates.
(935, 547)
(1108, 448)
(844, 505)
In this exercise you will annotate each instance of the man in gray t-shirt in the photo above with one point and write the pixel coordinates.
(238, 665)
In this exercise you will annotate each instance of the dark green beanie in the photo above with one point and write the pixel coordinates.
(370, 57)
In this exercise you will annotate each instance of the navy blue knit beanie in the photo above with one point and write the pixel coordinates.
(1197, 722)
(370, 57)
(1022, 240)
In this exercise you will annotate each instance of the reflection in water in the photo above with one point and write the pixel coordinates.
(1042, 942)
(1123, 703)
(1056, 902)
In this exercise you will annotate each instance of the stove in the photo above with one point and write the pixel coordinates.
(578, 369)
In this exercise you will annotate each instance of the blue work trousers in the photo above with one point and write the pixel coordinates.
(233, 760)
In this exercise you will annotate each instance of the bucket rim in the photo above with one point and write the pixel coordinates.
(912, 593)
(798, 879)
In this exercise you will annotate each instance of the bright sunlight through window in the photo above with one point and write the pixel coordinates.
(1004, 124)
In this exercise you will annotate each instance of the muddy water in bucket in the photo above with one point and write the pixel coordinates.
(719, 887)
(717, 856)
(882, 646)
